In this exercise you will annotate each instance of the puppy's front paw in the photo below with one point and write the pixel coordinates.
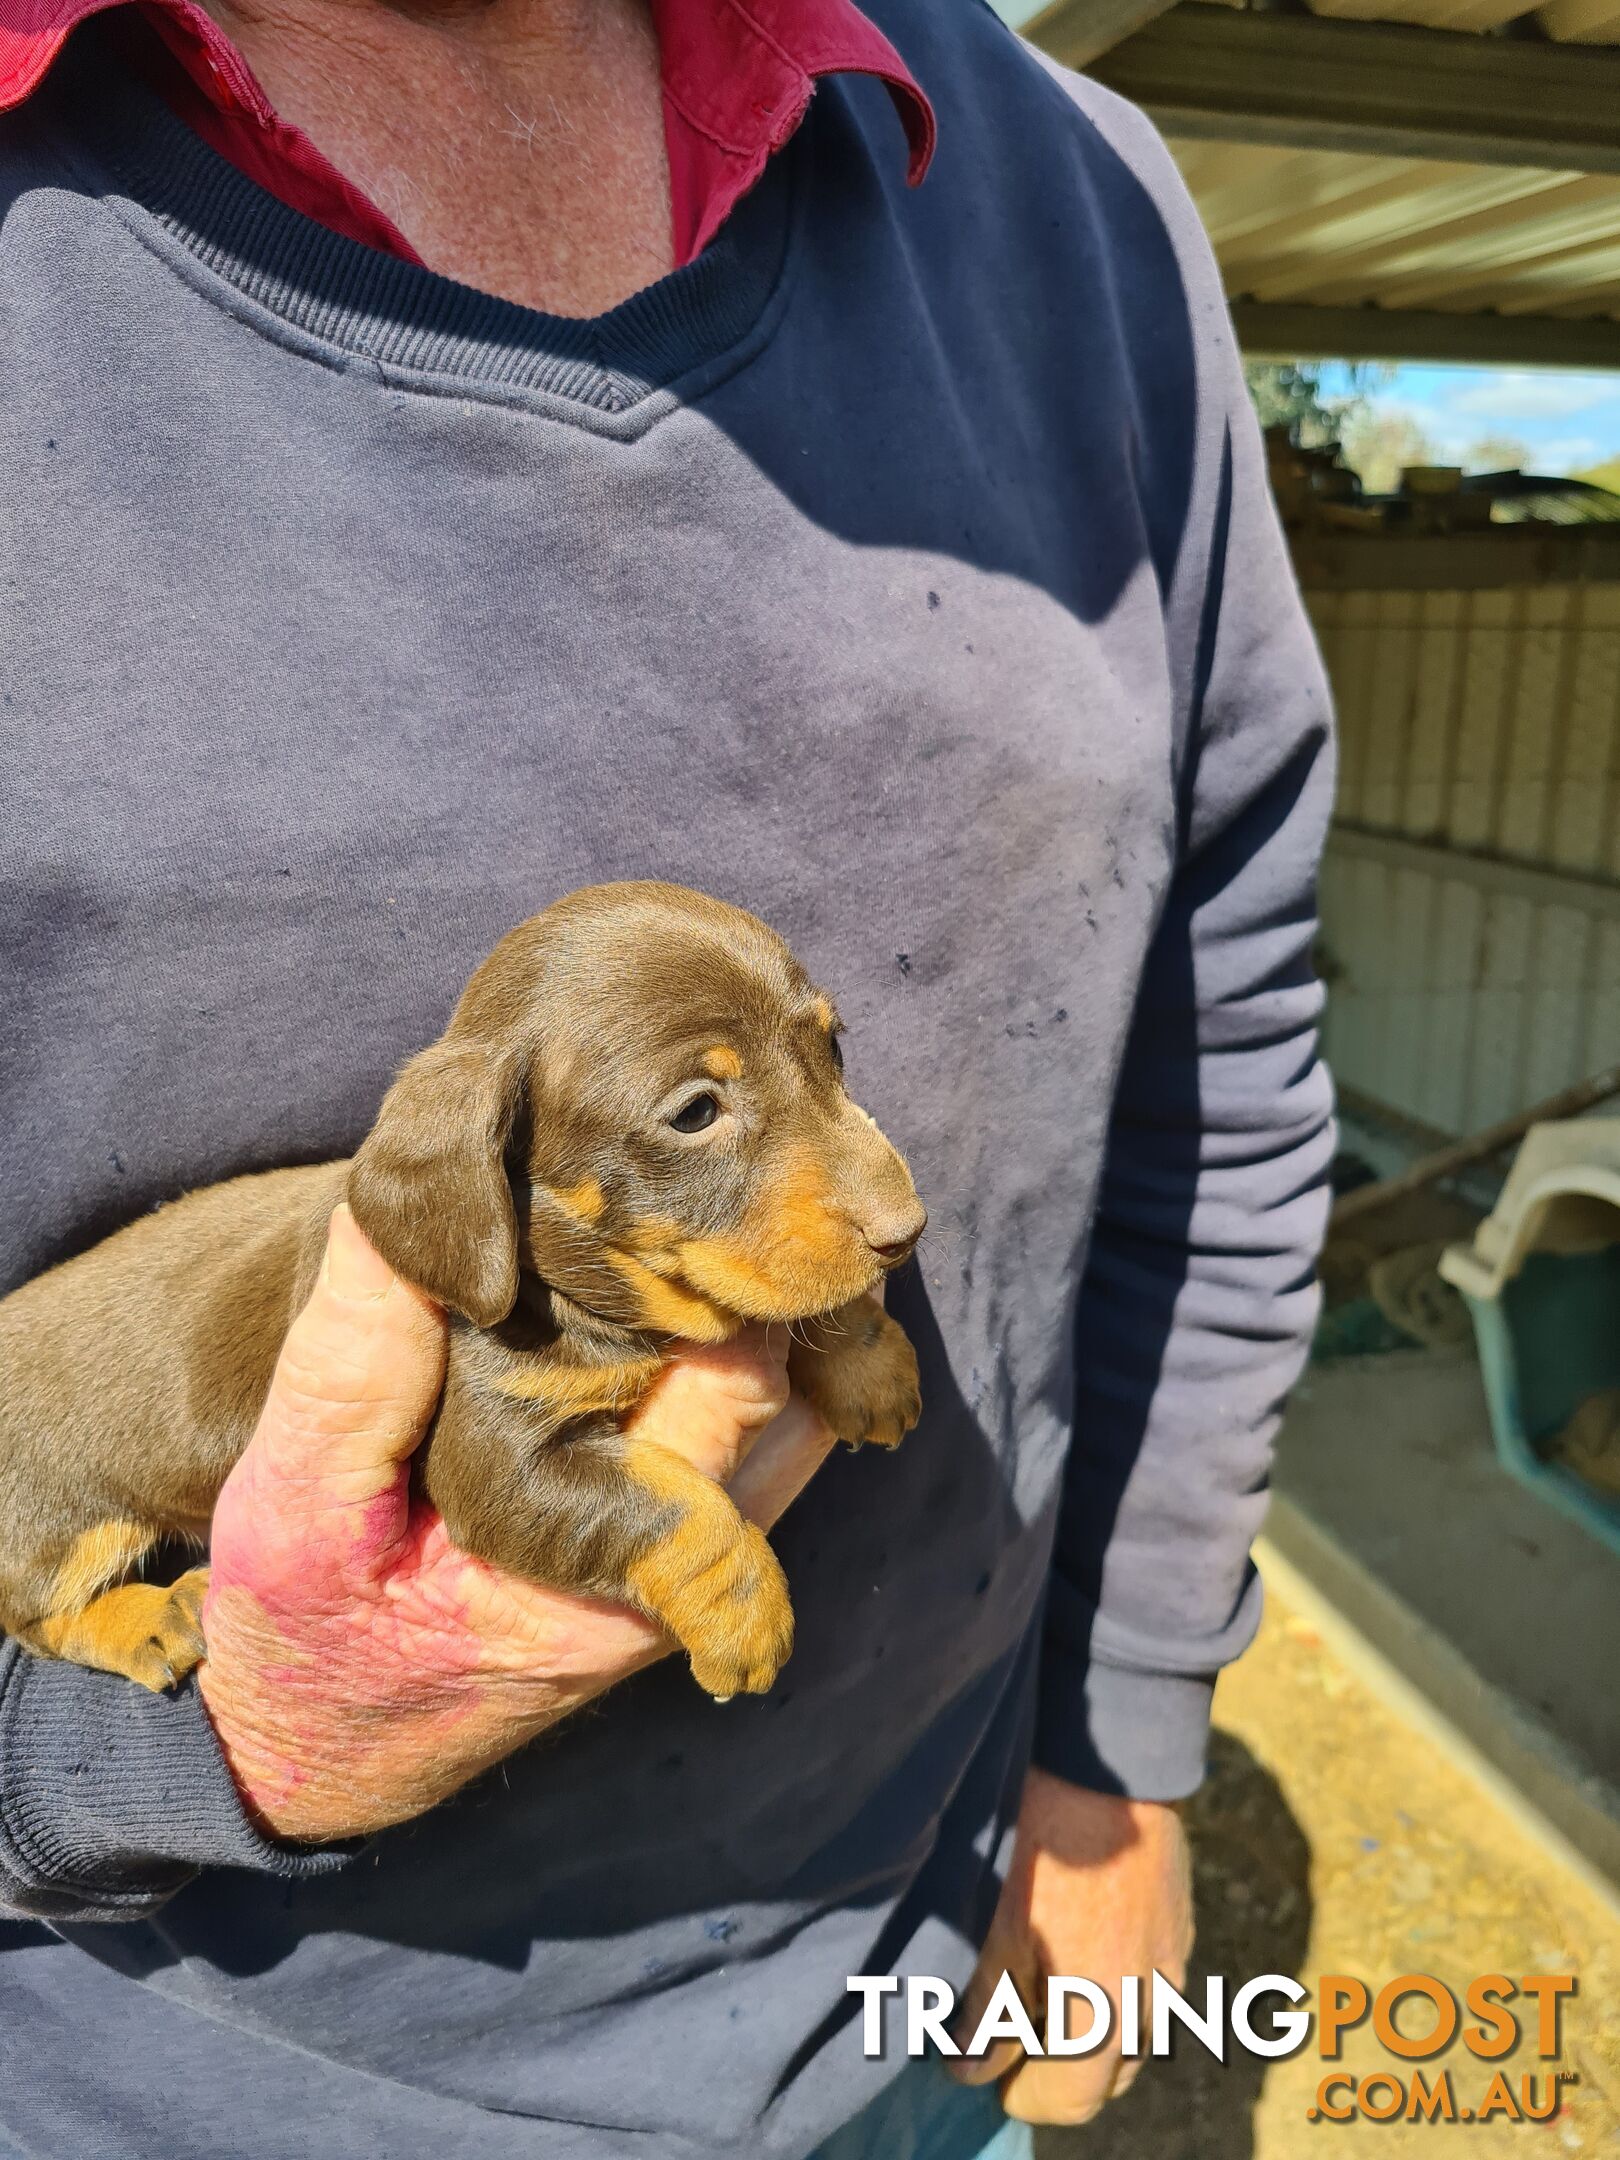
(860, 1372)
(149, 1632)
(175, 1645)
(715, 1584)
(743, 1636)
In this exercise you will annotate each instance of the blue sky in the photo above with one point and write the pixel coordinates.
(1568, 421)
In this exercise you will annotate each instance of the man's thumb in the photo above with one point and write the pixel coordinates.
(359, 1373)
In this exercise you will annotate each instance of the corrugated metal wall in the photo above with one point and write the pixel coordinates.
(1471, 895)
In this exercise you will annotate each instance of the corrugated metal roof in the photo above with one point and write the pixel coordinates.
(1330, 228)
(1418, 179)
(1583, 22)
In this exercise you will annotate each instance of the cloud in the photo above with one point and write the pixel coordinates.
(1448, 437)
(1570, 453)
(1516, 394)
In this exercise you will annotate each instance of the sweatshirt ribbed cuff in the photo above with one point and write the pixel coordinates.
(1138, 1733)
(112, 1798)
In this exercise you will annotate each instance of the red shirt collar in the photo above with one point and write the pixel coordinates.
(737, 81)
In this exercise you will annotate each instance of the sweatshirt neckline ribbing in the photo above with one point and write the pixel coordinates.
(408, 321)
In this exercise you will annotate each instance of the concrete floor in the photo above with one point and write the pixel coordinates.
(1503, 1612)
(1334, 1837)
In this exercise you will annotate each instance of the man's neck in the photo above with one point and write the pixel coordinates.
(517, 144)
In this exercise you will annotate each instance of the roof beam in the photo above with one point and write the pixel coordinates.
(1283, 330)
(1503, 558)
(1305, 82)
(1077, 31)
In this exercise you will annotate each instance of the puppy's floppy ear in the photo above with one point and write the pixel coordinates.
(429, 1185)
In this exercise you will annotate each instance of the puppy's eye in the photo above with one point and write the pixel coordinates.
(837, 1053)
(697, 1115)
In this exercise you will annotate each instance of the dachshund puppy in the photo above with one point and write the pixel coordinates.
(633, 1129)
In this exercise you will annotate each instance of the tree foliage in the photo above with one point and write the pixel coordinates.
(1324, 403)
(1290, 393)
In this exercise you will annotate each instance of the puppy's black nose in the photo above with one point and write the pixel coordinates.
(893, 1238)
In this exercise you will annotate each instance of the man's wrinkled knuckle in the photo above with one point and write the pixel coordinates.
(305, 1409)
(774, 1399)
(305, 1406)
(339, 1380)
(326, 1365)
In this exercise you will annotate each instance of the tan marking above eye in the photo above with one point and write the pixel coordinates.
(722, 1062)
(825, 1014)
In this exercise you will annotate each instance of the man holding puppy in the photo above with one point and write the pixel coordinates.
(454, 455)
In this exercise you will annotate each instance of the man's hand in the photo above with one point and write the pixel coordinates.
(360, 1668)
(1099, 1888)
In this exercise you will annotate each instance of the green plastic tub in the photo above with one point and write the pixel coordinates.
(1542, 1282)
(1547, 1340)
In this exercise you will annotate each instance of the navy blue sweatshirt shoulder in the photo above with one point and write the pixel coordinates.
(903, 570)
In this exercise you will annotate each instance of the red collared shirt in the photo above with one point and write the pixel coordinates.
(737, 81)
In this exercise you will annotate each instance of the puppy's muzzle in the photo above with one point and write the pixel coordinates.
(893, 1237)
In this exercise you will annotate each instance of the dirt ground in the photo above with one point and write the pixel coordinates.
(1331, 1838)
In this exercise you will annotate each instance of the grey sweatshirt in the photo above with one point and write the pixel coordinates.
(903, 570)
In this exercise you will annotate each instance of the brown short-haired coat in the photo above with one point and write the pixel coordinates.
(633, 1129)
